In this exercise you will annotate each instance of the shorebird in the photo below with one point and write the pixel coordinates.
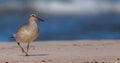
(28, 32)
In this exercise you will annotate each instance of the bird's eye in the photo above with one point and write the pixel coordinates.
(33, 15)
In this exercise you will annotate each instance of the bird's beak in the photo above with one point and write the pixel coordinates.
(40, 19)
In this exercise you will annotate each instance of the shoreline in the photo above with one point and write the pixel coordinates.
(76, 51)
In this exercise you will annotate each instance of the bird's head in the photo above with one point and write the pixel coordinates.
(34, 17)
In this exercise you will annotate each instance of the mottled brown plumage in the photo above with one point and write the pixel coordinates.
(28, 32)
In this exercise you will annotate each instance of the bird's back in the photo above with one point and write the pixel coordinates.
(27, 32)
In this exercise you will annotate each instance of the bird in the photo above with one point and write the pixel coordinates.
(27, 32)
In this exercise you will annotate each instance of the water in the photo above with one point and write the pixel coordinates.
(65, 27)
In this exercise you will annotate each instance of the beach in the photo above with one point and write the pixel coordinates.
(74, 51)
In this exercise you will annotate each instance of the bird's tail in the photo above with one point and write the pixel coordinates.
(13, 36)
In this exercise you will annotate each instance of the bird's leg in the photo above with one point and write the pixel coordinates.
(26, 54)
(21, 47)
(27, 49)
(28, 46)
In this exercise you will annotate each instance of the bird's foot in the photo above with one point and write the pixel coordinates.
(26, 54)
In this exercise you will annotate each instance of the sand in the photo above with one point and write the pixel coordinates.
(77, 51)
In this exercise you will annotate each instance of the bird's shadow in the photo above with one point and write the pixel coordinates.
(36, 55)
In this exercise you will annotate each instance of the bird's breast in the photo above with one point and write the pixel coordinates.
(27, 34)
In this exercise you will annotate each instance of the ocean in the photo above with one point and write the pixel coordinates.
(65, 27)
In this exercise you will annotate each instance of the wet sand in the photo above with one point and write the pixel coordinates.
(77, 51)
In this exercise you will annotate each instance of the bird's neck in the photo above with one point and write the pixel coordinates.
(33, 24)
(32, 19)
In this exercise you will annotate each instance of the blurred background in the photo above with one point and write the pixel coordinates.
(64, 19)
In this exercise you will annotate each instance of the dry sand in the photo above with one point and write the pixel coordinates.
(79, 51)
